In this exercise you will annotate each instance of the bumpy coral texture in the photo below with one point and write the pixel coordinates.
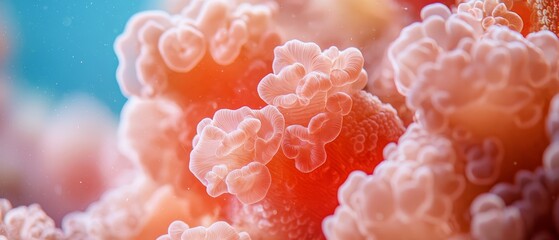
(544, 15)
(298, 153)
(162, 54)
(536, 14)
(179, 230)
(26, 223)
(140, 209)
(320, 119)
(527, 209)
(414, 187)
(209, 56)
(369, 26)
(426, 54)
(232, 149)
(460, 76)
(493, 12)
(312, 89)
(440, 31)
(118, 214)
(294, 205)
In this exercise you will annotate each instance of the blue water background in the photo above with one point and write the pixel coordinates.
(66, 46)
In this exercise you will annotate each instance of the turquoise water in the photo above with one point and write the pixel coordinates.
(64, 46)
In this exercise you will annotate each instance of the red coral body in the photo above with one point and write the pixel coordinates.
(297, 202)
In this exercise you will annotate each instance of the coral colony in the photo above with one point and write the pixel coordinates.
(308, 120)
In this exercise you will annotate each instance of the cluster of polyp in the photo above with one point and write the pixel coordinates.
(179, 230)
(231, 151)
(446, 44)
(312, 89)
(26, 222)
(423, 42)
(529, 208)
(158, 49)
(461, 74)
(453, 69)
(138, 210)
(493, 12)
(415, 186)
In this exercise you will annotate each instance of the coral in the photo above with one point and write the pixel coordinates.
(544, 15)
(170, 55)
(179, 230)
(460, 75)
(369, 26)
(312, 89)
(426, 54)
(140, 209)
(527, 209)
(119, 214)
(321, 120)
(248, 120)
(160, 153)
(232, 149)
(422, 43)
(186, 66)
(26, 222)
(414, 187)
(381, 84)
(493, 12)
(294, 205)
(536, 15)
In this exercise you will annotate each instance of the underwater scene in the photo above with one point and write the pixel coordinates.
(279, 119)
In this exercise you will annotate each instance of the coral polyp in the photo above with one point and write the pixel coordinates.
(279, 119)
(544, 15)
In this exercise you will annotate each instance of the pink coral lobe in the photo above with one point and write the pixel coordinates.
(231, 151)
(164, 118)
(182, 48)
(312, 90)
(179, 230)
